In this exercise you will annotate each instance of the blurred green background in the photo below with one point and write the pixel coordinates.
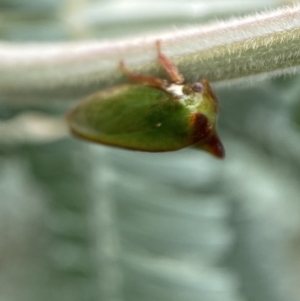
(86, 222)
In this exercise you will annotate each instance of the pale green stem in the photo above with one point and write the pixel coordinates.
(225, 52)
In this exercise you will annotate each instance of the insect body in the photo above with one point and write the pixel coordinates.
(152, 114)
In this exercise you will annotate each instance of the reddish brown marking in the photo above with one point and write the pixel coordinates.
(214, 146)
(169, 66)
(143, 79)
(205, 137)
(201, 127)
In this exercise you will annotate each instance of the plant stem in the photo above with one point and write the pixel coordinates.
(259, 45)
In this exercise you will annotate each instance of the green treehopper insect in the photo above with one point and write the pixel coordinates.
(152, 114)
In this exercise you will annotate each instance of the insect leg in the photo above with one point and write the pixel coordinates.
(144, 79)
(169, 66)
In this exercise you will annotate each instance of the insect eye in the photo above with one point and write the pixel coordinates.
(197, 87)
